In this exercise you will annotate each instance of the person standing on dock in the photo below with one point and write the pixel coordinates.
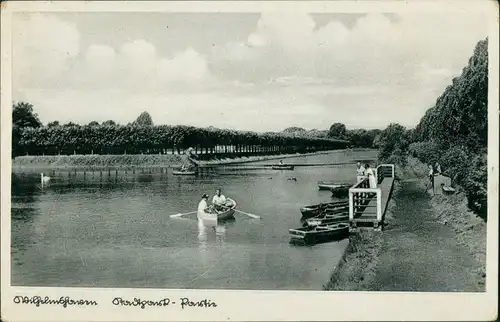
(360, 172)
(371, 176)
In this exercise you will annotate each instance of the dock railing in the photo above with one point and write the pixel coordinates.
(366, 205)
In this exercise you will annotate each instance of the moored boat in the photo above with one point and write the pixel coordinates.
(322, 185)
(328, 219)
(184, 173)
(319, 233)
(283, 167)
(314, 210)
(340, 191)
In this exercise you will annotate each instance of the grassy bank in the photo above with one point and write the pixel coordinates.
(139, 160)
(357, 267)
(65, 161)
(363, 266)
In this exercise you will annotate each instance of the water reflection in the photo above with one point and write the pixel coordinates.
(202, 234)
(220, 234)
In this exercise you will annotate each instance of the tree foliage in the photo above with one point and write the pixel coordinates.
(116, 139)
(294, 129)
(144, 119)
(23, 115)
(337, 130)
(393, 143)
(362, 138)
(454, 132)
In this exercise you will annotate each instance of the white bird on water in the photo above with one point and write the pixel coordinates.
(44, 179)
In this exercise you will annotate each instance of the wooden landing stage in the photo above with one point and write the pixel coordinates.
(367, 205)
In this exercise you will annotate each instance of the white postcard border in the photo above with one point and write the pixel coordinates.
(253, 305)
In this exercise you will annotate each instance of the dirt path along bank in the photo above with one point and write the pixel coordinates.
(420, 254)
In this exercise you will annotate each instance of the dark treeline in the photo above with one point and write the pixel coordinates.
(358, 138)
(454, 132)
(30, 137)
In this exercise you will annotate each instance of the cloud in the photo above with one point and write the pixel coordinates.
(138, 67)
(375, 49)
(288, 70)
(43, 48)
(47, 54)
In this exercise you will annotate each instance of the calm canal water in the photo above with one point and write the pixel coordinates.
(115, 231)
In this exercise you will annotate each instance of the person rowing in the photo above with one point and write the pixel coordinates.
(219, 201)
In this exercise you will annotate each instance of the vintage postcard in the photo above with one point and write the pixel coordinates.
(249, 160)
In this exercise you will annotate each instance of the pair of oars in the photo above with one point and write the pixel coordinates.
(192, 212)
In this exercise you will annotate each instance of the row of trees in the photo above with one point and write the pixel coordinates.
(454, 132)
(359, 138)
(30, 137)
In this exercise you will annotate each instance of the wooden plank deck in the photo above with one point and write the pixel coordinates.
(370, 217)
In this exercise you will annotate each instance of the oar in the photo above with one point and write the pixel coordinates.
(246, 213)
(180, 215)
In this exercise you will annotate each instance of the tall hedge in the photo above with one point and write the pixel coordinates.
(134, 139)
(455, 131)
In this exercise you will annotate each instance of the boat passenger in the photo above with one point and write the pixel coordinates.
(219, 200)
(360, 172)
(203, 203)
(281, 162)
(371, 176)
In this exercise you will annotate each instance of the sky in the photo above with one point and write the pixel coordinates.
(246, 71)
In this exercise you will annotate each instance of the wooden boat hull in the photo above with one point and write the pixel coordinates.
(229, 214)
(328, 219)
(184, 173)
(314, 210)
(207, 219)
(319, 234)
(283, 167)
(340, 191)
(331, 185)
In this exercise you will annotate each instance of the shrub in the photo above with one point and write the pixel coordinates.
(427, 152)
(475, 184)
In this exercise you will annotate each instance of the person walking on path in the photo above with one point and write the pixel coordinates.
(431, 179)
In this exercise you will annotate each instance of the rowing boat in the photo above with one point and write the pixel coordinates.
(283, 167)
(340, 191)
(229, 213)
(328, 219)
(322, 185)
(212, 217)
(320, 233)
(314, 210)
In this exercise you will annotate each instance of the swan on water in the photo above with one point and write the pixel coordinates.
(43, 178)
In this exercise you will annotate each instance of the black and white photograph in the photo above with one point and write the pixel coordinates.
(253, 149)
